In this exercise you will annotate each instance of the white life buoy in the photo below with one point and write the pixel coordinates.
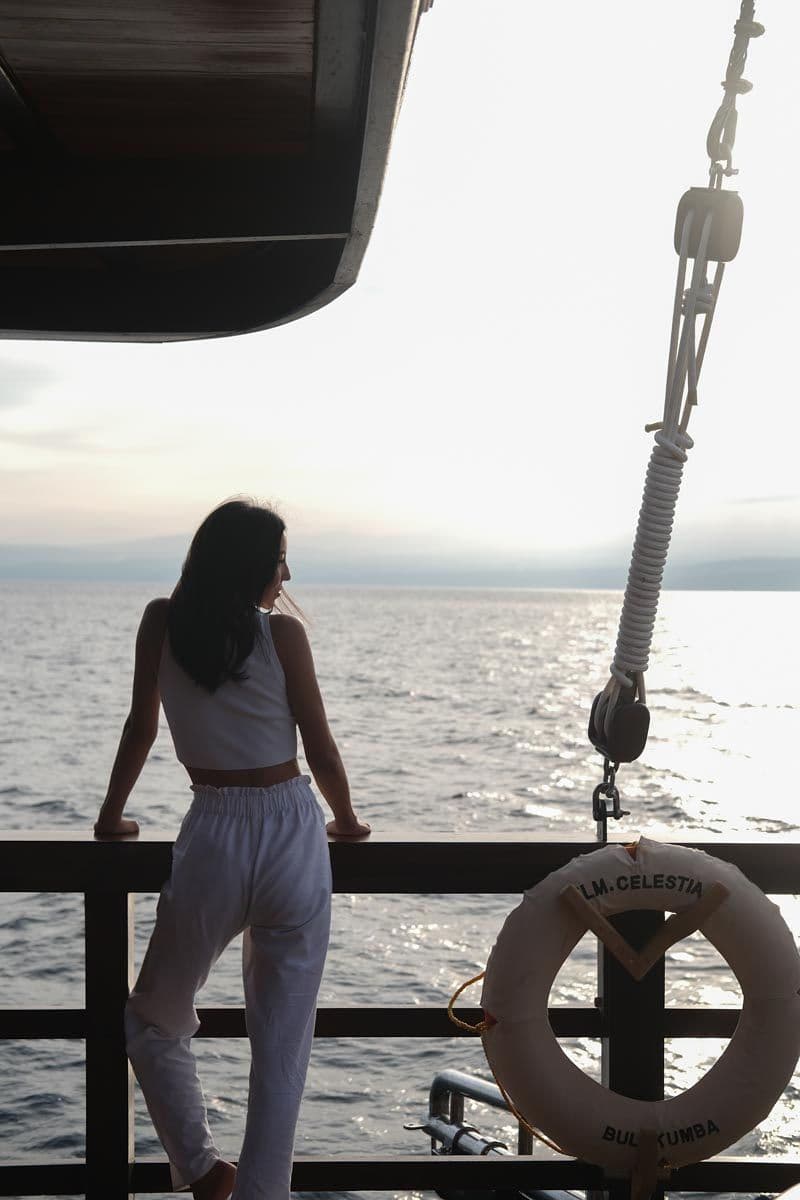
(586, 1119)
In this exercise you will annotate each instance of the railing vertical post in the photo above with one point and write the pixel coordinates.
(633, 1048)
(109, 1079)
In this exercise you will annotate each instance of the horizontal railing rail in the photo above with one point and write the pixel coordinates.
(418, 1172)
(437, 864)
(109, 873)
(376, 1020)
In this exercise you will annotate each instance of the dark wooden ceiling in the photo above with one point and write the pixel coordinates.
(164, 79)
(186, 168)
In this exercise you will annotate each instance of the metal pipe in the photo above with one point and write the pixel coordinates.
(462, 1139)
(447, 1094)
(446, 1083)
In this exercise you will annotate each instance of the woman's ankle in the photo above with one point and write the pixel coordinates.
(217, 1183)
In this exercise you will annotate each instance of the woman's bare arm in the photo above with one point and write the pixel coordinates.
(305, 701)
(141, 726)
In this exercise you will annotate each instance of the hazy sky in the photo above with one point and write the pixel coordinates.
(488, 378)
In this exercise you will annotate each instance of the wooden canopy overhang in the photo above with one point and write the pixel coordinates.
(190, 168)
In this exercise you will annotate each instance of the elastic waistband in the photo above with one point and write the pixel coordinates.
(247, 801)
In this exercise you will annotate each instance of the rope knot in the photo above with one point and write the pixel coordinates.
(737, 87)
(677, 445)
(703, 299)
(750, 29)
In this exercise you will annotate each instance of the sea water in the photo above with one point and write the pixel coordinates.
(456, 711)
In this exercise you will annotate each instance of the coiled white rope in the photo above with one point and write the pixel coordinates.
(672, 442)
(663, 479)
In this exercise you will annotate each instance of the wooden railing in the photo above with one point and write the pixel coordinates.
(631, 1018)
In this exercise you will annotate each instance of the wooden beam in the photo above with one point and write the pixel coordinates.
(438, 863)
(166, 79)
(341, 46)
(632, 1059)
(421, 1171)
(383, 1021)
(45, 1023)
(109, 1079)
(379, 1021)
(155, 203)
(163, 292)
(254, 239)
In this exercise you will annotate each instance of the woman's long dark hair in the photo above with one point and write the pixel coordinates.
(213, 618)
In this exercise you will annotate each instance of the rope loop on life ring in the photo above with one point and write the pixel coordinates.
(552, 1095)
(481, 1027)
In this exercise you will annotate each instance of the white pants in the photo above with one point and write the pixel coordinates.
(252, 859)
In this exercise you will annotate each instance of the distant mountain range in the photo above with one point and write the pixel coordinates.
(380, 561)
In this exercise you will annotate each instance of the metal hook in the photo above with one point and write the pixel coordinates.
(605, 791)
(722, 134)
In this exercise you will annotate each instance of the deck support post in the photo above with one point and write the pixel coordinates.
(109, 1079)
(633, 1045)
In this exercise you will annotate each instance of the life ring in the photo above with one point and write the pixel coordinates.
(553, 1095)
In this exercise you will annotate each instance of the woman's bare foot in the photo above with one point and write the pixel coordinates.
(216, 1184)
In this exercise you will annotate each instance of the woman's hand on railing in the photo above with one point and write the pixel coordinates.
(120, 828)
(348, 829)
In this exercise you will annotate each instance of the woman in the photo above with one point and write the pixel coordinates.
(251, 856)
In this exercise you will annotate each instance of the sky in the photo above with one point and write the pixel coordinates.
(483, 388)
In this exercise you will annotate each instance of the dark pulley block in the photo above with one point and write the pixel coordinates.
(727, 214)
(627, 735)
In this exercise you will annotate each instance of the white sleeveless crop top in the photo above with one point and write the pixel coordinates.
(240, 725)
